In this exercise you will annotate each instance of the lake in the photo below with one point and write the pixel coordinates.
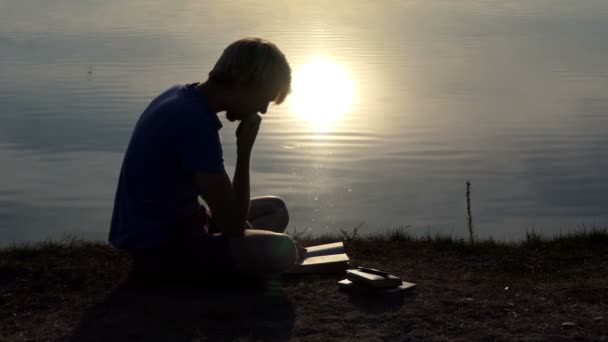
(395, 105)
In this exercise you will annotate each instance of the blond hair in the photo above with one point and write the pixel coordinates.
(254, 63)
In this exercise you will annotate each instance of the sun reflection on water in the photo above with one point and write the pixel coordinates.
(322, 93)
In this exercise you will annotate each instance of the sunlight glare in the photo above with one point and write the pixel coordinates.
(322, 92)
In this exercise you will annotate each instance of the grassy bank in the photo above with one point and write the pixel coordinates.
(485, 290)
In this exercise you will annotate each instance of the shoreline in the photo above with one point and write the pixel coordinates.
(535, 290)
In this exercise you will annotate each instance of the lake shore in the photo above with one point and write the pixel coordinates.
(553, 289)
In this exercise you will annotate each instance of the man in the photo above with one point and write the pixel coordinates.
(175, 155)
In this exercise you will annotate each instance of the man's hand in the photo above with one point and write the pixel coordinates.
(246, 133)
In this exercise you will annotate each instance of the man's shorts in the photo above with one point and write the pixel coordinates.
(187, 253)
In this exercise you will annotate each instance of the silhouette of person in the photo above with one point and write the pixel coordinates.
(175, 155)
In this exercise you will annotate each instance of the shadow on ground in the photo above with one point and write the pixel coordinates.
(186, 313)
(381, 303)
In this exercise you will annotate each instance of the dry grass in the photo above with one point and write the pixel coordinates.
(481, 291)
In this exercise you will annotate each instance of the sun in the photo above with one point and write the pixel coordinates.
(322, 93)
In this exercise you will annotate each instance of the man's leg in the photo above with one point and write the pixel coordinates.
(268, 213)
(263, 252)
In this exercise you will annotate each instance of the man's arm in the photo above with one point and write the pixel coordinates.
(216, 190)
(229, 202)
(240, 186)
(246, 133)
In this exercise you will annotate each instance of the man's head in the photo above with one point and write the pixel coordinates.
(253, 72)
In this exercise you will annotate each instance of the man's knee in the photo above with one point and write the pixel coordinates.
(281, 212)
(285, 253)
(263, 252)
(276, 202)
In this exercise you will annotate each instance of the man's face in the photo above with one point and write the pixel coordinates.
(246, 103)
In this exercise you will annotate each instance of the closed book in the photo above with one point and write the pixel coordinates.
(349, 286)
(334, 263)
(362, 278)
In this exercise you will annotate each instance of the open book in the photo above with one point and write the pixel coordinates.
(328, 258)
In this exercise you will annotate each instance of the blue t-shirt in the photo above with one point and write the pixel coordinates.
(176, 136)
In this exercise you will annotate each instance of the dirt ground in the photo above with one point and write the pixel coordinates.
(542, 293)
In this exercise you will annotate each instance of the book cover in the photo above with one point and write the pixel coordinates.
(372, 280)
(349, 286)
(326, 249)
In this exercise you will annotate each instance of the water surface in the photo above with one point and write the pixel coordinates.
(394, 107)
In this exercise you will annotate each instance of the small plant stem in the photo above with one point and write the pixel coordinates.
(469, 215)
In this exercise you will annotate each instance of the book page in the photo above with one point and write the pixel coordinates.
(324, 259)
(322, 264)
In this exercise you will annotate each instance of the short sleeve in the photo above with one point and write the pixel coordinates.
(199, 146)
